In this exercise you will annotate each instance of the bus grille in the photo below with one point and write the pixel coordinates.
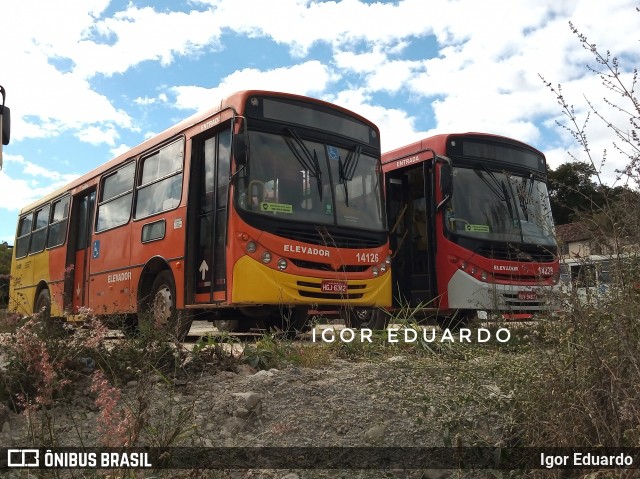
(327, 267)
(521, 253)
(326, 238)
(516, 305)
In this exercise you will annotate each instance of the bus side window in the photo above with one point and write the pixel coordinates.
(58, 226)
(24, 235)
(160, 186)
(40, 228)
(114, 208)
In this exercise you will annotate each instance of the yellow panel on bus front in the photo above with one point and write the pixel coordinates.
(256, 283)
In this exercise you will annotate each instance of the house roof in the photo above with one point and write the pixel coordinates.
(572, 232)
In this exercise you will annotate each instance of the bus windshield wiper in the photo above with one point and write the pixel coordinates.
(302, 154)
(509, 195)
(497, 188)
(524, 192)
(347, 169)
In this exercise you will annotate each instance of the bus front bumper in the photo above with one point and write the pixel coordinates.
(255, 283)
(467, 292)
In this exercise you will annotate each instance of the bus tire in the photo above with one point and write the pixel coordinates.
(378, 320)
(43, 305)
(357, 317)
(163, 312)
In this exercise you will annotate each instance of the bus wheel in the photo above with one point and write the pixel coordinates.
(357, 317)
(378, 320)
(227, 325)
(43, 305)
(163, 312)
(242, 324)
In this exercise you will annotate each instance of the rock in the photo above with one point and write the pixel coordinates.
(245, 370)
(291, 475)
(242, 412)
(207, 442)
(262, 374)
(251, 399)
(396, 359)
(375, 433)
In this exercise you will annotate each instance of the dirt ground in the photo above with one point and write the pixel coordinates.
(388, 400)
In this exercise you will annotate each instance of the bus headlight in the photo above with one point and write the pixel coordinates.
(266, 257)
(251, 247)
(484, 276)
(556, 277)
(282, 264)
(388, 260)
(374, 270)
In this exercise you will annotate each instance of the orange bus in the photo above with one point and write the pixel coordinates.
(263, 208)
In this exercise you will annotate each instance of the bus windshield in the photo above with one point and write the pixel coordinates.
(500, 206)
(290, 178)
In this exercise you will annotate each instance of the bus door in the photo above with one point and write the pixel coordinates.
(411, 235)
(207, 225)
(79, 250)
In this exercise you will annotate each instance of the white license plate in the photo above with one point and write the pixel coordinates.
(328, 286)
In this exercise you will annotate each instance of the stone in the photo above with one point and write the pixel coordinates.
(251, 399)
(375, 433)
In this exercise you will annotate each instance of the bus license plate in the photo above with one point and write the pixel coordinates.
(328, 286)
(527, 295)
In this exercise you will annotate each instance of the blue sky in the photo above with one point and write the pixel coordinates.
(88, 79)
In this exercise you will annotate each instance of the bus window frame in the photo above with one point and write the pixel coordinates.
(65, 219)
(43, 230)
(100, 194)
(25, 235)
(138, 185)
(148, 226)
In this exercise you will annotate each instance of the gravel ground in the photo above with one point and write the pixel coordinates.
(402, 400)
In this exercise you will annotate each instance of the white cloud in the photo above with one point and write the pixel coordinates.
(309, 78)
(302, 23)
(141, 34)
(39, 181)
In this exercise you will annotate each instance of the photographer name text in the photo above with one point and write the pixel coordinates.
(411, 335)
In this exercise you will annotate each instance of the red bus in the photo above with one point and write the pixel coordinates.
(262, 208)
(470, 226)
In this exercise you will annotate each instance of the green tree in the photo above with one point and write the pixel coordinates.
(5, 258)
(5, 269)
(572, 191)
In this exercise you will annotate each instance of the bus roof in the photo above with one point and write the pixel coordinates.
(438, 143)
(230, 102)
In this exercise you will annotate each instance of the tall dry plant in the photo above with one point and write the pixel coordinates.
(583, 388)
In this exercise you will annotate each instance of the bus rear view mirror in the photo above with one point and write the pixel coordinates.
(6, 125)
(240, 149)
(446, 179)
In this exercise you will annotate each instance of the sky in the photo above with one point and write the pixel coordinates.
(86, 80)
